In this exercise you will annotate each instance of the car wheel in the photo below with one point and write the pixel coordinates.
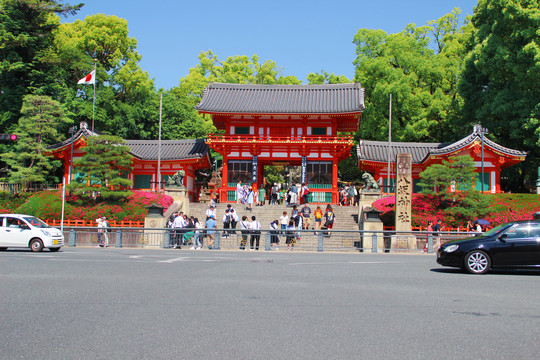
(477, 262)
(54, 249)
(36, 245)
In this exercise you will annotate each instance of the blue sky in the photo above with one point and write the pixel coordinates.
(300, 36)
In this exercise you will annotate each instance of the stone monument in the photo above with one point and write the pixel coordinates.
(403, 204)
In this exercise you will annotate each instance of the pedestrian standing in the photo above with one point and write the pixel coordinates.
(274, 194)
(262, 195)
(178, 224)
(291, 235)
(255, 233)
(105, 226)
(329, 218)
(306, 216)
(436, 235)
(197, 238)
(429, 228)
(99, 232)
(318, 214)
(226, 223)
(294, 194)
(210, 230)
(295, 216)
(284, 221)
(274, 238)
(245, 225)
(239, 192)
(304, 193)
(234, 220)
(250, 198)
(210, 211)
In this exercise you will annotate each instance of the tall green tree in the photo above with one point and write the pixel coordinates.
(28, 160)
(457, 172)
(126, 99)
(422, 79)
(326, 78)
(500, 84)
(105, 164)
(238, 69)
(27, 64)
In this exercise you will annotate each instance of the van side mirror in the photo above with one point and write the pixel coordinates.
(503, 237)
(24, 226)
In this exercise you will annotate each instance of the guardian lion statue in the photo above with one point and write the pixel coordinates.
(370, 182)
(177, 179)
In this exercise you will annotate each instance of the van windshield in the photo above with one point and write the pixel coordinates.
(35, 222)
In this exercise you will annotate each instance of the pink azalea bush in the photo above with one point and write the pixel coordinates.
(48, 205)
(503, 208)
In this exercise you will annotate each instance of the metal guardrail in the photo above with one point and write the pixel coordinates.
(305, 240)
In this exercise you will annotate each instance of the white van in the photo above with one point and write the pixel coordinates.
(26, 231)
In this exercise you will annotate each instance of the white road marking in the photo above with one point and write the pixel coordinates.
(174, 260)
(345, 262)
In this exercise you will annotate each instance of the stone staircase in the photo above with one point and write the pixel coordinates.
(346, 216)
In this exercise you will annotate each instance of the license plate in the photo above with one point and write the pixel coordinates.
(55, 242)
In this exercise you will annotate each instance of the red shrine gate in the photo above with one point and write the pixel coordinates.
(296, 125)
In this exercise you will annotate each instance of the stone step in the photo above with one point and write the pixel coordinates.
(346, 216)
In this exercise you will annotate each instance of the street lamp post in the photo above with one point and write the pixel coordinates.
(72, 131)
(483, 132)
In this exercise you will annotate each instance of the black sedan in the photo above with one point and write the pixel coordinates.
(512, 245)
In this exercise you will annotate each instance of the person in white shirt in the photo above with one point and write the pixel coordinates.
(284, 221)
(255, 233)
(178, 225)
(197, 238)
(245, 225)
(210, 211)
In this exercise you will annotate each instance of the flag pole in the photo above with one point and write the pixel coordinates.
(159, 144)
(94, 98)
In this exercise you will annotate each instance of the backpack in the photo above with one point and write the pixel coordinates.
(318, 215)
(306, 191)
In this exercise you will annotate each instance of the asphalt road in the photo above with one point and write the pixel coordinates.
(179, 304)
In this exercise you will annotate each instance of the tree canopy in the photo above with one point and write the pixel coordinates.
(500, 83)
(422, 80)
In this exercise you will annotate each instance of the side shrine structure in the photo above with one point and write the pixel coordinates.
(373, 157)
(283, 125)
(188, 155)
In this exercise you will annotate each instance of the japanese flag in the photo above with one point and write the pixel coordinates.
(88, 79)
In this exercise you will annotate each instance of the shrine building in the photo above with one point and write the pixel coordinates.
(373, 157)
(189, 155)
(283, 125)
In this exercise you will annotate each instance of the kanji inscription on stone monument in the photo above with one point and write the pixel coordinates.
(403, 192)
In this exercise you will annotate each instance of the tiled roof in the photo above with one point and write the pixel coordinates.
(148, 149)
(170, 149)
(378, 150)
(282, 99)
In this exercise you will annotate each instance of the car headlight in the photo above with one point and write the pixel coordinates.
(451, 248)
(46, 233)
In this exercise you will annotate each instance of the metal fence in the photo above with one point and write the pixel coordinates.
(304, 240)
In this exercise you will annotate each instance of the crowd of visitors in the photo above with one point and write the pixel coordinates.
(189, 231)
